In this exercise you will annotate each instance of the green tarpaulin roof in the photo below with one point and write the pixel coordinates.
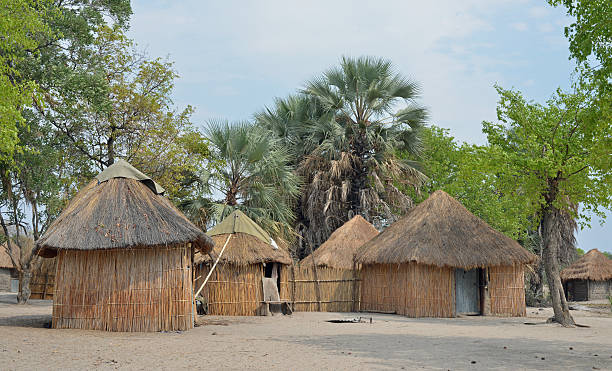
(123, 169)
(238, 222)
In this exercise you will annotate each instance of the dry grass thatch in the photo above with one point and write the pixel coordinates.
(245, 249)
(5, 259)
(117, 214)
(593, 266)
(442, 232)
(339, 250)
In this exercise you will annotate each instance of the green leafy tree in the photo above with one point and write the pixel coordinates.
(557, 156)
(130, 116)
(40, 45)
(251, 173)
(31, 196)
(20, 23)
(590, 37)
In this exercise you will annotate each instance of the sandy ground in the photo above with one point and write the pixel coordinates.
(307, 341)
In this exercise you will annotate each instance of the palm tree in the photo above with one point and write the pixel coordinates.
(251, 172)
(346, 127)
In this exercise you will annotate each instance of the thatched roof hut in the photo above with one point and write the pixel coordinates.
(120, 209)
(124, 256)
(249, 243)
(588, 278)
(340, 248)
(332, 285)
(441, 232)
(7, 270)
(250, 260)
(5, 259)
(446, 250)
(593, 265)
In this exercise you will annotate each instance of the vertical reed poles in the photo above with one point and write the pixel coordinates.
(316, 277)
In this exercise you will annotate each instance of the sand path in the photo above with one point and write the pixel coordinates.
(307, 341)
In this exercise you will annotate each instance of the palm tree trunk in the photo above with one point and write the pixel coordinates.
(552, 240)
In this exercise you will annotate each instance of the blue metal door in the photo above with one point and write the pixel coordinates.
(467, 292)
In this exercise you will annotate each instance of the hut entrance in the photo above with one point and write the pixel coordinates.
(271, 282)
(467, 291)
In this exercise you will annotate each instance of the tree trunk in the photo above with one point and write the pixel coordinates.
(24, 286)
(360, 173)
(552, 240)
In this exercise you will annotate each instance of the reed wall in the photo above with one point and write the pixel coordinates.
(413, 290)
(326, 290)
(139, 289)
(43, 280)
(236, 290)
(507, 290)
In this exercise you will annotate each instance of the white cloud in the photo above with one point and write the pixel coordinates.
(224, 45)
(538, 12)
(547, 27)
(519, 26)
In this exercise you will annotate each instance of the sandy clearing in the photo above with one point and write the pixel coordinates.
(307, 341)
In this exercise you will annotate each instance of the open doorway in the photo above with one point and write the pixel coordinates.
(271, 281)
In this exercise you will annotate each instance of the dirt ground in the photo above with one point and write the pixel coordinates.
(307, 341)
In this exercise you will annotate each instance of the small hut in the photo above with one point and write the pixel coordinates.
(124, 257)
(327, 280)
(248, 260)
(9, 281)
(440, 260)
(588, 278)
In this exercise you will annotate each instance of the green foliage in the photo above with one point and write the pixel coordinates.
(20, 23)
(579, 251)
(558, 154)
(590, 38)
(122, 108)
(465, 172)
(344, 130)
(253, 174)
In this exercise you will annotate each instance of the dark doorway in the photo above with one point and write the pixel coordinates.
(467, 291)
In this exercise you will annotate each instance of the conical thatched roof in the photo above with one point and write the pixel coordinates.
(249, 243)
(442, 232)
(121, 209)
(593, 265)
(340, 248)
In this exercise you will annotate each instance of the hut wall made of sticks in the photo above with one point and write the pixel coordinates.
(324, 290)
(137, 289)
(42, 283)
(507, 290)
(413, 290)
(236, 289)
(419, 290)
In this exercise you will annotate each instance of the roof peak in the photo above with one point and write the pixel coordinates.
(123, 169)
(239, 222)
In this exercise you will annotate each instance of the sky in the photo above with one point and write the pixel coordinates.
(235, 57)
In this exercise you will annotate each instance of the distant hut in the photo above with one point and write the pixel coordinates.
(9, 281)
(440, 260)
(327, 279)
(588, 278)
(250, 260)
(124, 257)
